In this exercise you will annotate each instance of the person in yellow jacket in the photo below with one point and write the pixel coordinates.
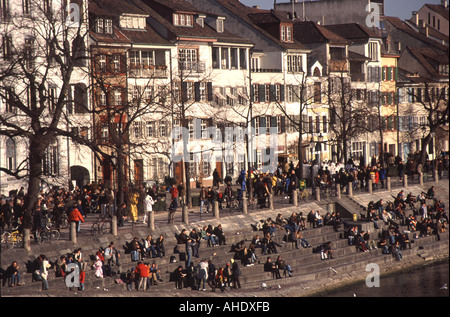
(134, 197)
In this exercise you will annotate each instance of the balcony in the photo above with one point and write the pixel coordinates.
(337, 65)
(191, 67)
(147, 71)
(266, 70)
(358, 77)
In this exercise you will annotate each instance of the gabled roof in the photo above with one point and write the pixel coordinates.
(116, 8)
(249, 14)
(113, 8)
(439, 10)
(174, 5)
(195, 32)
(398, 24)
(427, 57)
(353, 31)
(310, 32)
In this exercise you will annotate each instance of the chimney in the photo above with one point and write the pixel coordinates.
(444, 3)
(426, 31)
(415, 16)
(255, 7)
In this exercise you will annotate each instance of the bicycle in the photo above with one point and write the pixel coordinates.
(12, 239)
(102, 224)
(234, 205)
(47, 235)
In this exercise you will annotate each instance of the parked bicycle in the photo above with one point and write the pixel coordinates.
(234, 205)
(101, 225)
(12, 239)
(47, 235)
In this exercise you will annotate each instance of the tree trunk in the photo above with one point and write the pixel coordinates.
(36, 150)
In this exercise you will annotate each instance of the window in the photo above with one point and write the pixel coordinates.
(255, 63)
(104, 25)
(108, 26)
(116, 63)
(7, 47)
(219, 26)
(373, 51)
(317, 92)
(150, 129)
(182, 19)
(102, 62)
(163, 129)
(5, 13)
(26, 7)
(29, 53)
(188, 58)
(10, 154)
(50, 164)
(358, 149)
(294, 63)
(286, 33)
(138, 130)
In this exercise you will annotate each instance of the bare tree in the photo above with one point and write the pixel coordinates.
(41, 58)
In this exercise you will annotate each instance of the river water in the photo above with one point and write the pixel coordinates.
(428, 281)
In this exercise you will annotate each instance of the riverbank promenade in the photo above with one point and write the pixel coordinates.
(311, 272)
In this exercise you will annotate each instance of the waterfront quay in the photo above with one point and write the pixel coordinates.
(310, 274)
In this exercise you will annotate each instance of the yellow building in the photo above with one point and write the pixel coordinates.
(389, 102)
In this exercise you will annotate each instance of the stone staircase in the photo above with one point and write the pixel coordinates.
(307, 266)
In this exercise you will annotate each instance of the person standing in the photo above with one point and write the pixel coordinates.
(45, 265)
(235, 274)
(134, 198)
(148, 207)
(75, 216)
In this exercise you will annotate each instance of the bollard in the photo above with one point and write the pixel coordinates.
(436, 176)
(370, 187)
(185, 215)
(114, 225)
(271, 201)
(338, 191)
(388, 183)
(73, 232)
(318, 194)
(26, 240)
(350, 189)
(244, 204)
(151, 220)
(421, 179)
(405, 180)
(295, 197)
(216, 209)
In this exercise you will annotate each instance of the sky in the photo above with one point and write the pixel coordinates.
(397, 8)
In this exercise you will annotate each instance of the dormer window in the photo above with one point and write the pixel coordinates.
(104, 25)
(286, 33)
(200, 20)
(219, 26)
(181, 19)
(132, 22)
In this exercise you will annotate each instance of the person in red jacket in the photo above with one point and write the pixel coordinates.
(144, 272)
(75, 216)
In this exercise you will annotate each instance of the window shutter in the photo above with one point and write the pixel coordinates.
(209, 89)
(281, 93)
(261, 93)
(197, 91)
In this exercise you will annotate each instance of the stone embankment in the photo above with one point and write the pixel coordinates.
(311, 273)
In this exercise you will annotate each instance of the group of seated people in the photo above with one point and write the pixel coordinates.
(146, 248)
